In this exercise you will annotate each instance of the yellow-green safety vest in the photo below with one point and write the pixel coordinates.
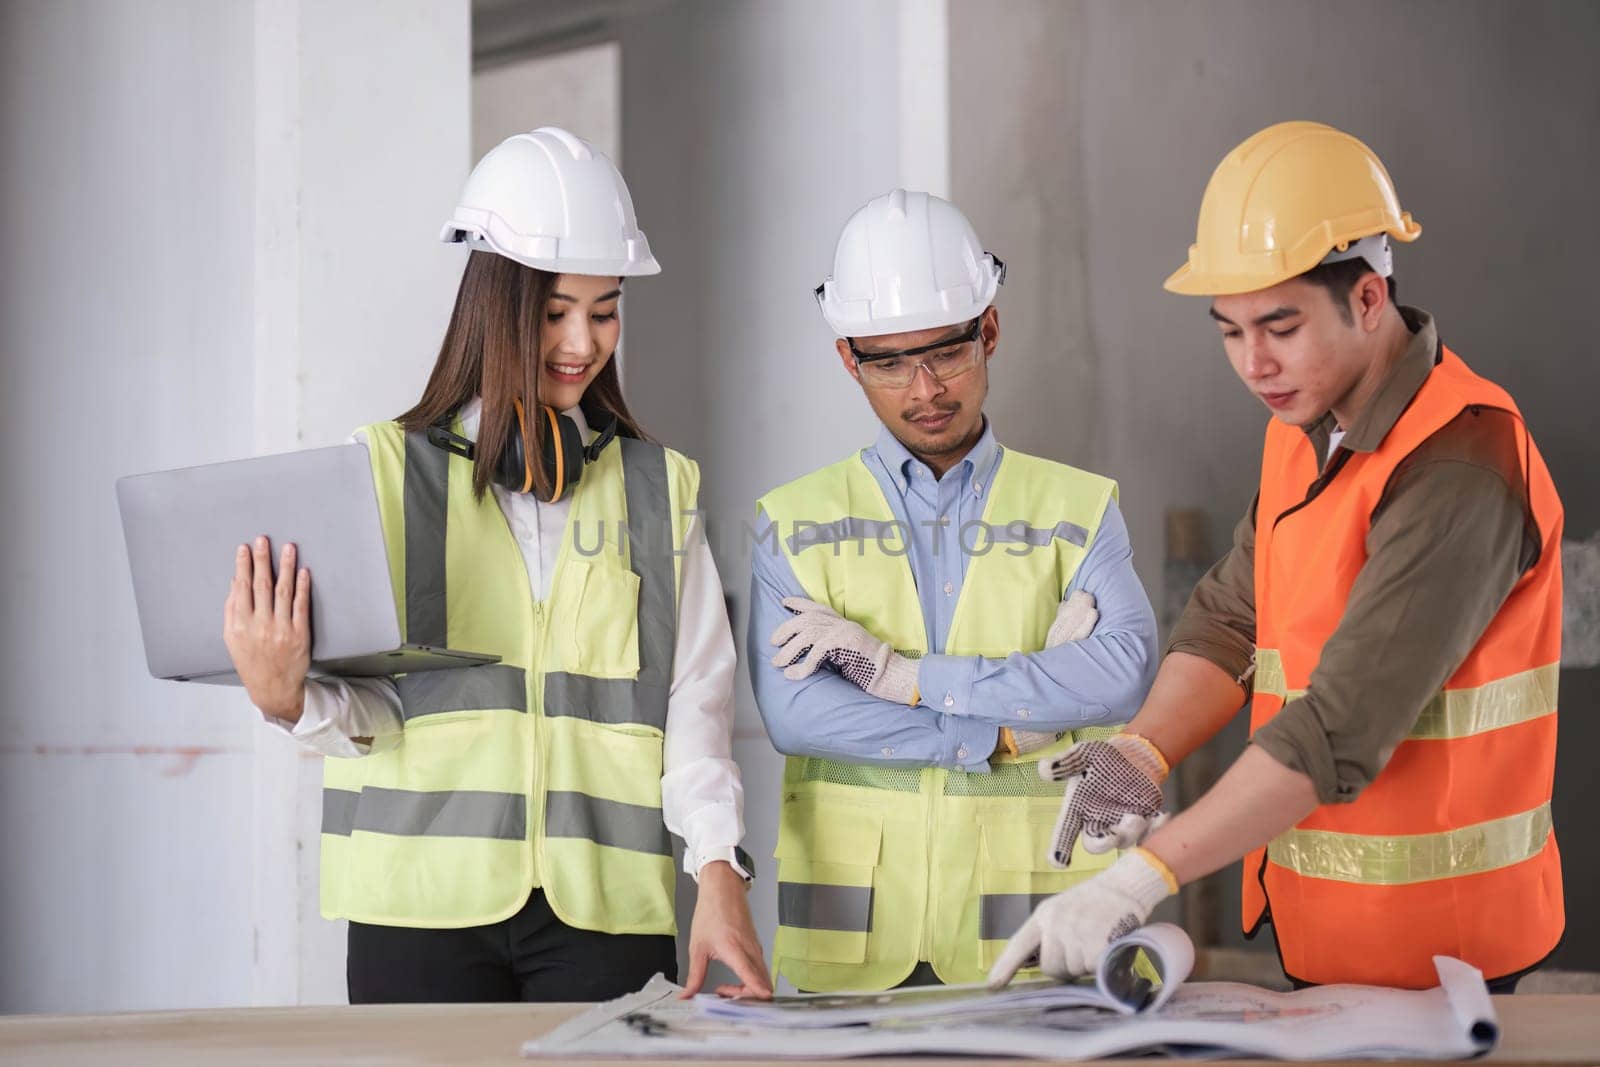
(545, 768)
(882, 867)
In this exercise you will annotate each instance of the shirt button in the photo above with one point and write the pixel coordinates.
(1024, 712)
(949, 700)
(961, 753)
(977, 487)
(887, 751)
(949, 588)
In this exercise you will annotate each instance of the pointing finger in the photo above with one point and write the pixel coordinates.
(1022, 947)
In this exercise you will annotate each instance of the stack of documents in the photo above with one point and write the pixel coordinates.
(1121, 1010)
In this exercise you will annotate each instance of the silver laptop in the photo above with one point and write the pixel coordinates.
(183, 527)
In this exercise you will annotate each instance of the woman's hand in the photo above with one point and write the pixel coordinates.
(722, 930)
(267, 628)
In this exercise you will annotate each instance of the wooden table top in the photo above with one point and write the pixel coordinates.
(1535, 1029)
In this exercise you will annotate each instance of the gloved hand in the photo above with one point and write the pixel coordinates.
(1021, 742)
(1069, 931)
(1113, 797)
(1075, 620)
(817, 634)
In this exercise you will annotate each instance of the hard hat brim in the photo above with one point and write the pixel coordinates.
(454, 233)
(905, 323)
(1187, 282)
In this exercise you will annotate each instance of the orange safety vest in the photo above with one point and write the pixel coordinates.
(1450, 850)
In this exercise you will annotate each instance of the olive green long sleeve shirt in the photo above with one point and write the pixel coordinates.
(1450, 536)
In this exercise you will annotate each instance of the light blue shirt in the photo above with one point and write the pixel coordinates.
(965, 699)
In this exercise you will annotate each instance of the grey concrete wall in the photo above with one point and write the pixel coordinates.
(579, 90)
(750, 132)
(1102, 122)
(1016, 121)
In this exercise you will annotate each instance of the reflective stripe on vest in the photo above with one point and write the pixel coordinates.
(849, 528)
(493, 685)
(1449, 850)
(859, 529)
(453, 813)
(520, 773)
(1020, 533)
(1002, 914)
(825, 907)
(606, 822)
(1409, 858)
(880, 867)
(1452, 712)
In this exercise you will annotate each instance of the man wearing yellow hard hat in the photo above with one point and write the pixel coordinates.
(1390, 607)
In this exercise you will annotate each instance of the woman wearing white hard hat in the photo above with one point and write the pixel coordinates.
(502, 832)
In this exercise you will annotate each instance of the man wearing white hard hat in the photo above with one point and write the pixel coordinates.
(1390, 609)
(946, 611)
(502, 832)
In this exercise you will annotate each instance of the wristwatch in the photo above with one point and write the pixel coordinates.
(735, 857)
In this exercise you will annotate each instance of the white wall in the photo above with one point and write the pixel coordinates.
(222, 218)
(125, 335)
(362, 134)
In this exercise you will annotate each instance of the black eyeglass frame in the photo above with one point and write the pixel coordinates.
(970, 334)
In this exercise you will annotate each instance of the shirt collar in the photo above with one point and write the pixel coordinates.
(1394, 393)
(472, 410)
(977, 465)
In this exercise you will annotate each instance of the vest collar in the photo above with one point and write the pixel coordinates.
(977, 466)
(1394, 395)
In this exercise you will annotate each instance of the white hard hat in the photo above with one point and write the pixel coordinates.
(904, 262)
(551, 200)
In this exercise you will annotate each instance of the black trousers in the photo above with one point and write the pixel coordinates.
(532, 956)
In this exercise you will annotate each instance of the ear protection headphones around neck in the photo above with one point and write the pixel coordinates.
(564, 451)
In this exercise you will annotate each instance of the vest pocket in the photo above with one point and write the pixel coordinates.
(606, 630)
(1016, 878)
(1029, 589)
(826, 861)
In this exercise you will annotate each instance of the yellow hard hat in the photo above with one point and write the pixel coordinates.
(1283, 200)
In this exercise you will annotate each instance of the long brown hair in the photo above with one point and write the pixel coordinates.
(492, 349)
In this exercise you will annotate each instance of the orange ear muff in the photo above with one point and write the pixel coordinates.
(558, 486)
(527, 459)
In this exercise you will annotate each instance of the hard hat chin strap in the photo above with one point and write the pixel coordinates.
(1375, 250)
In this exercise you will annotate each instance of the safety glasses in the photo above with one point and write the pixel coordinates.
(946, 359)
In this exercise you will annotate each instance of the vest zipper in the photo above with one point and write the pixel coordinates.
(536, 758)
(1323, 479)
(925, 946)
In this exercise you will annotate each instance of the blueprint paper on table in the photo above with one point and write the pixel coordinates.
(1115, 987)
(1047, 1020)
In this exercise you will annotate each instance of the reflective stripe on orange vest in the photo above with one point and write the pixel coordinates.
(1452, 712)
(1408, 858)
